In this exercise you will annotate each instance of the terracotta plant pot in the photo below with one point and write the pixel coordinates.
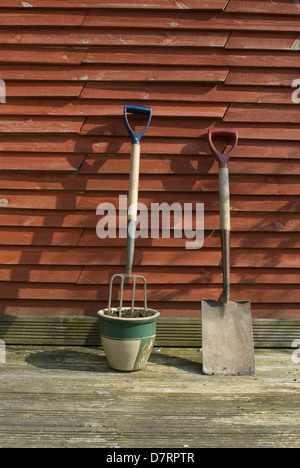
(127, 341)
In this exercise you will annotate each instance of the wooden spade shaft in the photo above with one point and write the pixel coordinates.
(225, 228)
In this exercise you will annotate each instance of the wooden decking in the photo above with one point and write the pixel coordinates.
(69, 397)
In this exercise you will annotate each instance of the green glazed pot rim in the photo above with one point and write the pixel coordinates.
(155, 315)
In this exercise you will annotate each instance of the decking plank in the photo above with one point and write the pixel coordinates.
(69, 397)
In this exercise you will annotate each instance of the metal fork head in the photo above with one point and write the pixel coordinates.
(123, 277)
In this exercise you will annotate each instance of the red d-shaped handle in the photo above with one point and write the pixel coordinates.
(220, 132)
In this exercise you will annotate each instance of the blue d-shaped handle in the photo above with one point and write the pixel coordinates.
(141, 110)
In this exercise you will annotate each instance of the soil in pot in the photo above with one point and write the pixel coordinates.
(128, 313)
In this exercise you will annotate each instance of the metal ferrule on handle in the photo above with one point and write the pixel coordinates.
(224, 202)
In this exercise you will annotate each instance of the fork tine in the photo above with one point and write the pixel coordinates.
(134, 282)
(110, 291)
(133, 292)
(121, 294)
(145, 293)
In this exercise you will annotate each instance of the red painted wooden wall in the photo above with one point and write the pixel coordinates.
(69, 67)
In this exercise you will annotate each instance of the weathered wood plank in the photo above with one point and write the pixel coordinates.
(207, 21)
(45, 89)
(276, 7)
(39, 200)
(27, 17)
(41, 308)
(41, 55)
(252, 76)
(187, 310)
(178, 164)
(195, 144)
(40, 274)
(279, 187)
(41, 162)
(241, 258)
(261, 114)
(284, 131)
(197, 57)
(113, 73)
(38, 124)
(190, 275)
(180, 92)
(42, 407)
(212, 239)
(40, 236)
(81, 107)
(243, 222)
(259, 41)
(86, 37)
(117, 4)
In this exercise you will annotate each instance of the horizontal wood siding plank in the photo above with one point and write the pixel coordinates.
(48, 188)
(155, 292)
(258, 76)
(178, 92)
(188, 275)
(259, 41)
(28, 310)
(34, 124)
(42, 162)
(39, 200)
(118, 4)
(38, 55)
(89, 238)
(185, 164)
(108, 73)
(244, 222)
(190, 20)
(40, 274)
(194, 57)
(261, 114)
(241, 258)
(212, 239)
(187, 146)
(76, 107)
(70, 201)
(277, 7)
(43, 89)
(85, 37)
(28, 17)
(40, 236)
